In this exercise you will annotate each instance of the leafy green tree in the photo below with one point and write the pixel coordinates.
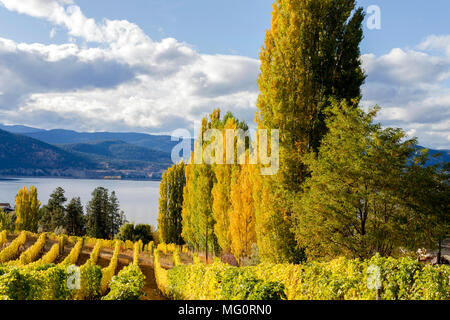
(310, 53)
(171, 204)
(351, 204)
(103, 215)
(426, 196)
(134, 233)
(52, 215)
(143, 232)
(27, 209)
(75, 221)
(197, 215)
(116, 217)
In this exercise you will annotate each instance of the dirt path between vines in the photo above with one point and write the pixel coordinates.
(145, 264)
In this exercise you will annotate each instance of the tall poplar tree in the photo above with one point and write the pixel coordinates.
(221, 191)
(27, 209)
(310, 53)
(207, 191)
(242, 213)
(197, 217)
(171, 204)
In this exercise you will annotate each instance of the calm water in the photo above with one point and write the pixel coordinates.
(138, 199)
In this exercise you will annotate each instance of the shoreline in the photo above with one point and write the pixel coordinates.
(13, 178)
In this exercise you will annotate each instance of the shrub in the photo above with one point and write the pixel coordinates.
(11, 251)
(127, 285)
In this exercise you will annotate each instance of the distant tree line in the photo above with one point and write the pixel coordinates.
(102, 219)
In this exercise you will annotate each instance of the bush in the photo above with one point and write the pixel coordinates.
(127, 285)
(11, 251)
(217, 281)
(44, 283)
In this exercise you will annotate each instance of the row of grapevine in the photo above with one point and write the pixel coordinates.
(129, 283)
(49, 257)
(95, 252)
(217, 281)
(31, 253)
(161, 274)
(74, 253)
(43, 283)
(11, 251)
(88, 241)
(3, 238)
(340, 279)
(136, 251)
(110, 270)
(45, 280)
(397, 279)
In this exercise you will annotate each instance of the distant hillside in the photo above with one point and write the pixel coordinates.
(60, 137)
(437, 156)
(19, 129)
(119, 150)
(24, 156)
(20, 154)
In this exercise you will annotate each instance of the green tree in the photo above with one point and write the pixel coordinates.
(351, 204)
(171, 204)
(116, 217)
(197, 217)
(52, 215)
(426, 196)
(75, 221)
(310, 53)
(134, 233)
(103, 215)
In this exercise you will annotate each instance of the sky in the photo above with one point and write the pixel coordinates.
(158, 65)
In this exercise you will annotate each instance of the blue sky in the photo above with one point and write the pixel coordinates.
(157, 65)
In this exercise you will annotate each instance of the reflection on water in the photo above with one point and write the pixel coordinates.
(138, 199)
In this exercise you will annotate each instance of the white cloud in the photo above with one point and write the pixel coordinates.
(127, 81)
(112, 76)
(411, 86)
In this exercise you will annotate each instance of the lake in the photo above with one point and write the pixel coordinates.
(138, 199)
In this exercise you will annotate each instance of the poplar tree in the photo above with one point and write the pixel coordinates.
(197, 217)
(221, 191)
(27, 209)
(171, 204)
(242, 213)
(310, 53)
(207, 191)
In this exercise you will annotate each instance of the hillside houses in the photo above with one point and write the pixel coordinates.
(6, 207)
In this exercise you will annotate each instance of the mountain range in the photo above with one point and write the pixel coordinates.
(27, 151)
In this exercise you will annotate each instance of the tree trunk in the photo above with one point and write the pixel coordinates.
(206, 243)
(439, 251)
